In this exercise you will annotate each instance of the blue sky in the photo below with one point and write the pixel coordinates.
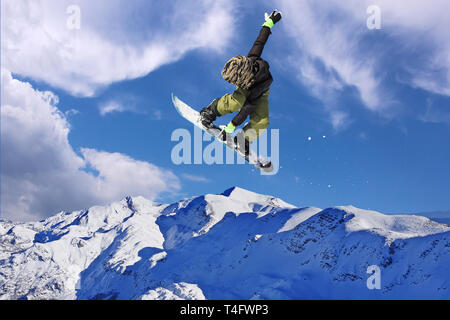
(375, 103)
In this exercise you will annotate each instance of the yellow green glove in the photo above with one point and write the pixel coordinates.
(274, 17)
(269, 23)
(229, 128)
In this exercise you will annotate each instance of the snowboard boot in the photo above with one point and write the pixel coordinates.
(209, 114)
(242, 147)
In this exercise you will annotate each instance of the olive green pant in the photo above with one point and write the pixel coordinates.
(259, 118)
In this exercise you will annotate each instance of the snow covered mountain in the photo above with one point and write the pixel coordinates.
(235, 245)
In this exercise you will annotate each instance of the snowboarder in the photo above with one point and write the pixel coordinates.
(252, 79)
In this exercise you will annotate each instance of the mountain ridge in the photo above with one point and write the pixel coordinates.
(233, 245)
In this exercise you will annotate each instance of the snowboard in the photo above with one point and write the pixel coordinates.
(193, 116)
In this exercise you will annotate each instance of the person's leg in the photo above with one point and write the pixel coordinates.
(227, 104)
(259, 118)
(230, 103)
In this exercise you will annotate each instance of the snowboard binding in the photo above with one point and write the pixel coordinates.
(209, 114)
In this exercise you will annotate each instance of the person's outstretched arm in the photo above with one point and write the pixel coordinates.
(264, 34)
(260, 42)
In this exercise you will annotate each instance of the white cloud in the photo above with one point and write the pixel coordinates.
(157, 114)
(127, 103)
(116, 41)
(194, 178)
(334, 50)
(339, 119)
(415, 23)
(327, 57)
(119, 174)
(111, 107)
(41, 174)
(71, 112)
(433, 114)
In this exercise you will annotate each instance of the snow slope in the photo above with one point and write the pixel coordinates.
(438, 216)
(234, 245)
